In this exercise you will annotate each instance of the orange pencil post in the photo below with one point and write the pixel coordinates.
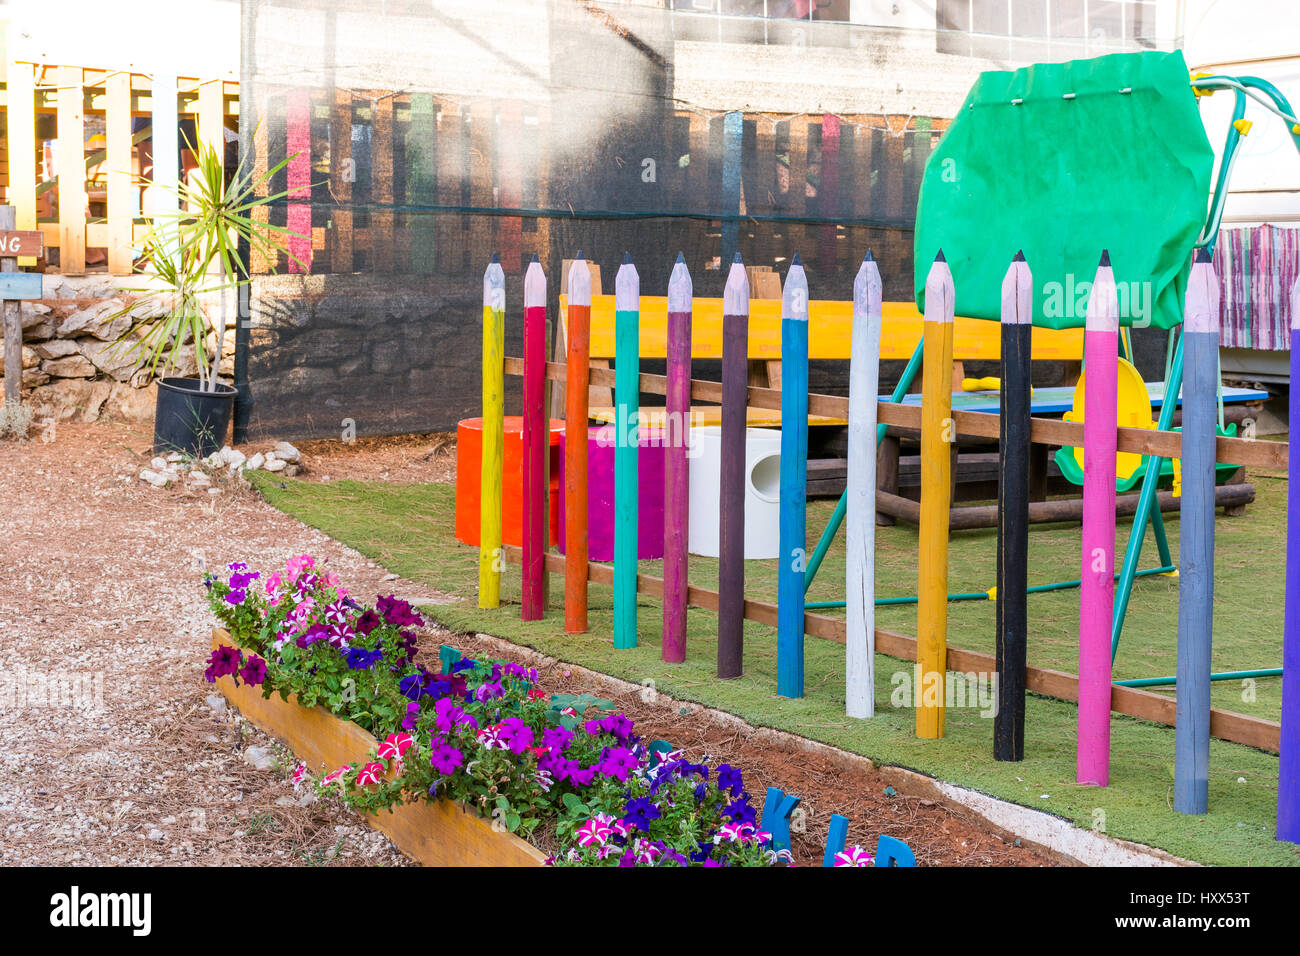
(575, 447)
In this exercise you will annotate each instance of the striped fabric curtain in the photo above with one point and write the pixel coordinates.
(1257, 266)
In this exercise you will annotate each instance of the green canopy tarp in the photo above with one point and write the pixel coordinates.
(1063, 160)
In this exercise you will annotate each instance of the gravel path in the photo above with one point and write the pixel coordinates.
(110, 751)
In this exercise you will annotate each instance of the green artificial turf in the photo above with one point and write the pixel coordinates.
(409, 529)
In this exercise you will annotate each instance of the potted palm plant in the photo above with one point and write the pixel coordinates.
(197, 254)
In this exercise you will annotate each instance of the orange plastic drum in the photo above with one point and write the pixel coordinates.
(469, 452)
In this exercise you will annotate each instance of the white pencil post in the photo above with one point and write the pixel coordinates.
(860, 594)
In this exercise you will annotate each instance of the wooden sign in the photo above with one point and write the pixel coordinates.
(21, 242)
(20, 285)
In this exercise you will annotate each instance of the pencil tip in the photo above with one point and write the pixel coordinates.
(939, 257)
(534, 257)
(868, 257)
(627, 258)
(736, 260)
(1105, 258)
(681, 258)
(1019, 256)
(578, 256)
(496, 257)
(1203, 254)
(796, 261)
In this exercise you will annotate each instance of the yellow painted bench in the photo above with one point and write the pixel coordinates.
(829, 336)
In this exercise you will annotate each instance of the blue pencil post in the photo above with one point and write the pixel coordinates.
(1196, 538)
(733, 131)
(794, 482)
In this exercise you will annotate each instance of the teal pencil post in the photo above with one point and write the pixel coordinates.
(627, 369)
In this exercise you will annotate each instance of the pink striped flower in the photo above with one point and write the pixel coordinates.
(593, 833)
(369, 774)
(854, 856)
(490, 738)
(337, 775)
(299, 775)
(647, 852)
(395, 746)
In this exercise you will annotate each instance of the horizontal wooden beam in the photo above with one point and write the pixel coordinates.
(1045, 431)
(1130, 701)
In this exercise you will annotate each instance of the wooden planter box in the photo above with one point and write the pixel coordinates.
(441, 833)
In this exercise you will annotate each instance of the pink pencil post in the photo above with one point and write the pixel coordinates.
(677, 481)
(537, 440)
(1097, 574)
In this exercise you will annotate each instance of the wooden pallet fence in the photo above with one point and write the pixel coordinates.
(85, 197)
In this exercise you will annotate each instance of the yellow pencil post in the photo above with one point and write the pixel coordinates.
(937, 434)
(494, 393)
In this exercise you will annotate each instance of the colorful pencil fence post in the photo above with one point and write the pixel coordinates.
(627, 401)
(1288, 784)
(1196, 538)
(1013, 510)
(937, 434)
(677, 485)
(1097, 561)
(494, 395)
(537, 440)
(731, 484)
(577, 395)
(793, 555)
(860, 532)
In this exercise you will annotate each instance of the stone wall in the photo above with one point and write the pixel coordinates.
(71, 369)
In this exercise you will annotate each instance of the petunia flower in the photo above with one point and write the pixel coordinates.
(337, 775)
(369, 774)
(854, 856)
(395, 746)
(618, 763)
(254, 670)
(446, 759)
(222, 662)
(593, 833)
(299, 775)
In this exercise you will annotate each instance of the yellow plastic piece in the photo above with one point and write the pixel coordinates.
(990, 383)
(1296, 129)
(1169, 574)
(1134, 408)
(993, 593)
(1242, 126)
(1200, 90)
(1178, 478)
(830, 330)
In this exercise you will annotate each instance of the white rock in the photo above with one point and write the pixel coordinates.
(217, 703)
(275, 464)
(236, 459)
(214, 460)
(199, 478)
(225, 454)
(175, 456)
(287, 452)
(255, 462)
(214, 491)
(259, 757)
(158, 463)
(156, 835)
(154, 478)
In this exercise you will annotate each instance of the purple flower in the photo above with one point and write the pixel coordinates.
(412, 686)
(412, 714)
(398, 612)
(449, 716)
(222, 662)
(236, 596)
(739, 811)
(489, 690)
(557, 738)
(618, 763)
(360, 659)
(367, 622)
(253, 671)
(516, 735)
(640, 812)
(317, 632)
(729, 779)
(446, 759)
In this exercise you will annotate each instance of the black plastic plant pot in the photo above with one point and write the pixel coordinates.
(190, 420)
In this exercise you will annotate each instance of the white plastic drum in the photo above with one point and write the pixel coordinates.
(762, 491)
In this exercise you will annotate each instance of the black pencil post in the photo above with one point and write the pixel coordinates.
(1013, 512)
